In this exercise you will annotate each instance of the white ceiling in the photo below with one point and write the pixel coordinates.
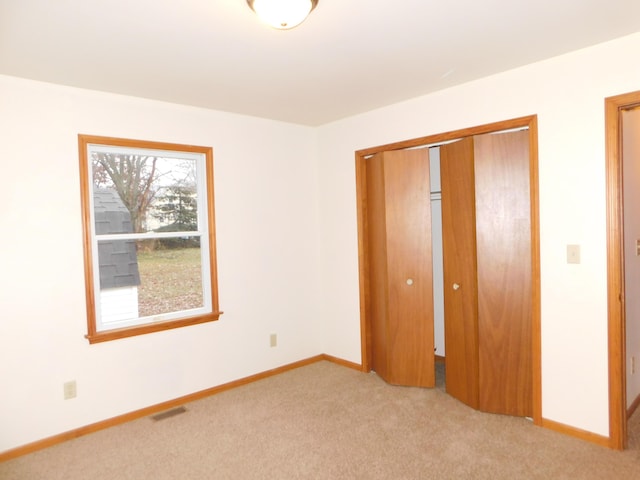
(348, 57)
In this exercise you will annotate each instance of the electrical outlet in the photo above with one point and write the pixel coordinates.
(70, 390)
(273, 340)
(633, 365)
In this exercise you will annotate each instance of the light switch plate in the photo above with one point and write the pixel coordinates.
(573, 253)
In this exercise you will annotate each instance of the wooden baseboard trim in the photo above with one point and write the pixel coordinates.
(340, 361)
(576, 432)
(160, 407)
(634, 406)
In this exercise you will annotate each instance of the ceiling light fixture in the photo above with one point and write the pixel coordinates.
(282, 14)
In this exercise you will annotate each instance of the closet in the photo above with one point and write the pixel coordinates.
(487, 264)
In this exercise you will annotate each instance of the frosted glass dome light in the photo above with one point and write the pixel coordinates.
(282, 14)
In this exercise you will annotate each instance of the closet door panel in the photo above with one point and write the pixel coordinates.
(377, 256)
(503, 237)
(410, 287)
(403, 272)
(459, 262)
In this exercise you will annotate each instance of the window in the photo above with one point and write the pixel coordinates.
(149, 236)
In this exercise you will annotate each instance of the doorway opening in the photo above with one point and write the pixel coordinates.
(623, 240)
(529, 123)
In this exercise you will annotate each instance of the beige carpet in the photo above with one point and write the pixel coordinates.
(324, 421)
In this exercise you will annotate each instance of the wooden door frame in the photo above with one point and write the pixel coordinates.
(530, 122)
(615, 267)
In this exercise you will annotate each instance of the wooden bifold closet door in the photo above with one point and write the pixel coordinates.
(400, 267)
(487, 263)
(460, 270)
(486, 215)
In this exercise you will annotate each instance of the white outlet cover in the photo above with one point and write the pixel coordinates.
(70, 390)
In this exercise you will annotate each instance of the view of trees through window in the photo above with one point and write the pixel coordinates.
(160, 195)
(159, 192)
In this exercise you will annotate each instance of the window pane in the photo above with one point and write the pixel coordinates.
(149, 277)
(170, 275)
(158, 192)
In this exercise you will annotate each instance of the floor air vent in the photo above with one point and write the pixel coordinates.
(168, 414)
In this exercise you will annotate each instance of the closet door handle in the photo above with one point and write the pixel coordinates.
(456, 286)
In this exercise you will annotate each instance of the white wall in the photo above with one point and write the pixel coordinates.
(631, 175)
(267, 227)
(567, 93)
